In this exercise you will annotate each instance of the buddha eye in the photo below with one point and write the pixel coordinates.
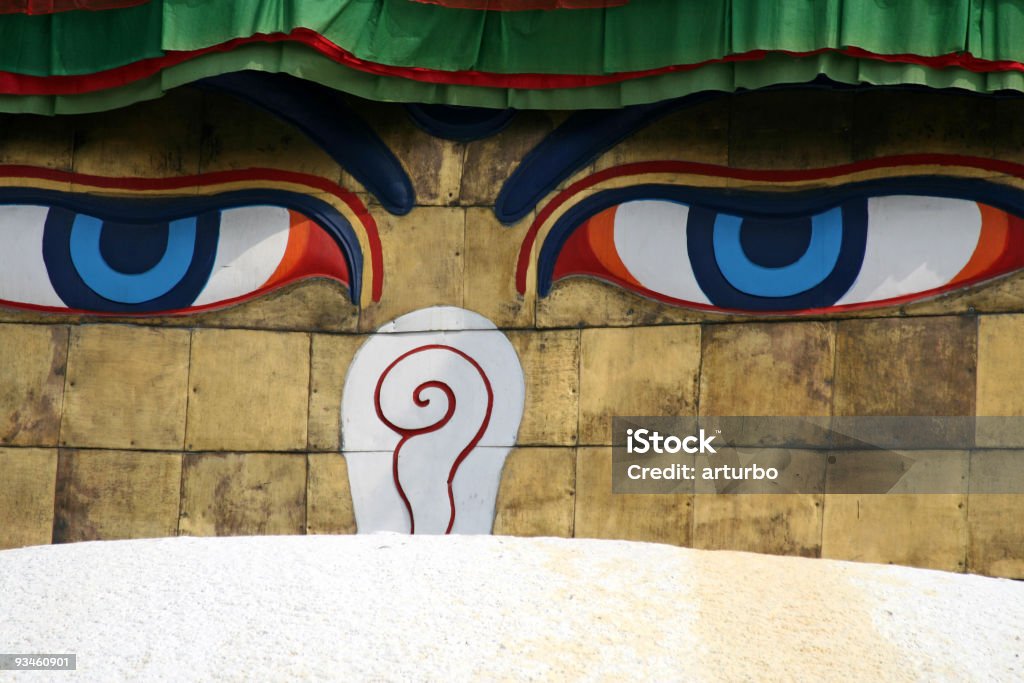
(870, 244)
(142, 256)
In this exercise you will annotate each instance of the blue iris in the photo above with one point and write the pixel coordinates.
(111, 267)
(128, 287)
(812, 265)
(777, 263)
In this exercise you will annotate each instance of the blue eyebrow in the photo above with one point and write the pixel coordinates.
(580, 139)
(462, 124)
(325, 116)
(586, 134)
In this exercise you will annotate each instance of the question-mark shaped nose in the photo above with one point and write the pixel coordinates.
(430, 411)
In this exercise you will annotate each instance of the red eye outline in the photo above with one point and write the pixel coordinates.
(941, 175)
(309, 251)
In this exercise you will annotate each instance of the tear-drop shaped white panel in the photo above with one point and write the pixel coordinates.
(914, 244)
(650, 238)
(23, 275)
(252, 243)
(430, 355)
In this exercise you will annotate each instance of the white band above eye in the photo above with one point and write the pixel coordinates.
(24, 278)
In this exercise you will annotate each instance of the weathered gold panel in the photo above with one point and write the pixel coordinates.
(550, 363)
(774, 130)
(698, 133)
(332, 355)
(537, 493)
(126, 387)
(423, 263)
(1006, 129)
(1000, 376)
(881, 470)
(891, 122)
(317, 304)
(638, 371)
(106, 495)
(236, 494)
(237, 135)
(489, 162)
(922, 522)
(490, 280)
(124, 143)
(779, 524)
(586, 302)
(636, 517)
(920, 530)
(328, 496)
(906, 366)
(995, 514)
(41, 141)
(995, 524)
(767, 369)
(33, 360)
(1004, 294)
(27, 480)
(248, 390)
(434, 165)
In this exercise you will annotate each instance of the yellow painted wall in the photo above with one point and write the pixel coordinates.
(228, 422)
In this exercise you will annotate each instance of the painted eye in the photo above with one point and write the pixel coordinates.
(756, 255)
(138, 256)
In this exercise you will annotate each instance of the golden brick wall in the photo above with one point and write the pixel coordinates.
(227, 422)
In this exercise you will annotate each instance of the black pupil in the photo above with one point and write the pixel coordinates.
(775, 243)
(133, 249)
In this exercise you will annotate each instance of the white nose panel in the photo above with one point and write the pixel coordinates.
(431, 408)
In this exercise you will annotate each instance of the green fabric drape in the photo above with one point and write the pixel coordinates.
(299, 61)
(79, 42)
(644, 34)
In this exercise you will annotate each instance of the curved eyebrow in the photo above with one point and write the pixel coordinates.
(587, 134)
(325, 116)
(580, 138)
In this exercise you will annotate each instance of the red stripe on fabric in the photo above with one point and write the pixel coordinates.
(524, 5)
(254, 175)
(22, 84)
(54, 6)
(694, 168)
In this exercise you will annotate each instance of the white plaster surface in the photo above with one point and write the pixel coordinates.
(386, 607)
(425, 460)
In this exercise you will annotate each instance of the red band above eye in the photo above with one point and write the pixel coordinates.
(524, 5)
(54, 6)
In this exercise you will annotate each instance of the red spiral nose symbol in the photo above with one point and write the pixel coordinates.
(407, 433)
